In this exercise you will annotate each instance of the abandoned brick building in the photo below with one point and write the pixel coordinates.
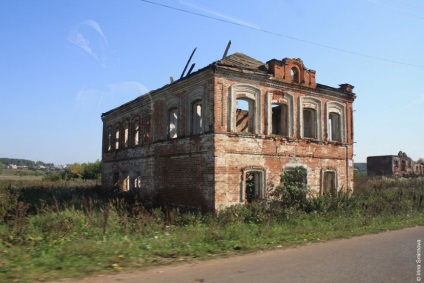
(391, 165)
(224, 134)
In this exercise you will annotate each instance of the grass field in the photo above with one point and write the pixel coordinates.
(55, 230)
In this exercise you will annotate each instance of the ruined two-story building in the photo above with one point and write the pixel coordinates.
(400, 165)
(224, 134)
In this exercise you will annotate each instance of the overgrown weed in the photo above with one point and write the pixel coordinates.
(86, 230)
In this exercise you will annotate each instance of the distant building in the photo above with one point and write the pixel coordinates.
(419, 169)
(390, 165)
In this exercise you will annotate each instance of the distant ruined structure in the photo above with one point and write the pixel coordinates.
(224, 134)
(399, 165)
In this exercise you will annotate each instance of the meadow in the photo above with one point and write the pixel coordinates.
(52, 230)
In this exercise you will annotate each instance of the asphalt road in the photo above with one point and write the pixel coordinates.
(385, 257)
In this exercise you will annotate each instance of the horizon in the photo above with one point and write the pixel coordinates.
(65, 65)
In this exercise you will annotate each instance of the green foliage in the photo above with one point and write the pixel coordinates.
(92, 171)
(86, 171)
(26, 172)
(17, 161)
(77, 171)
(54, 176)
(1, 168)
(293, 190)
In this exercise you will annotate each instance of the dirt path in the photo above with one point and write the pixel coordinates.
(385, 257)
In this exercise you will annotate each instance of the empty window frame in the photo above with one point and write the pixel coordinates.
(310, 118)
(244, 111)
(126, 183)
(336, 122)
(244, 116)
(196, 117)
(126, 137)
(334, 127)
(146, 129)
(137, 181)
(309, 123)
(109, 139)
(329, 183)
(253, 185)
(117, 137)
(136, 132)
(396, 163)
(294, 73)
(173, 123)
(280, 119)
(403, 166)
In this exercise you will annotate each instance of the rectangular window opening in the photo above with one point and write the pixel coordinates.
(279, 119)
(309, 123)
(329, 183)
(173, 123)
(196, 122)
(253, 186)
(334, 129)
(243, 123)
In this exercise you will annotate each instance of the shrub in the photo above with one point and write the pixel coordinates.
(293, 190)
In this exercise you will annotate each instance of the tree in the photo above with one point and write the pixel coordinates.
(75, 170)
(92, 171)
(1, 168)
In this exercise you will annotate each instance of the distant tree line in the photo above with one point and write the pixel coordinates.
(24, 162)
(77, 171)
(18, 162)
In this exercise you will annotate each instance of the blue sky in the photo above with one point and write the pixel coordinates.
(64, 63)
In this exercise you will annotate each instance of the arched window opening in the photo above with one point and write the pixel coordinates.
(173, 123)
(309, 123)
(146, 129)
(196, 117)
(294, 73)
(136, 133)
(334, 127)
(109, 139)
(126, 135)
(280, 119)
(117, 135)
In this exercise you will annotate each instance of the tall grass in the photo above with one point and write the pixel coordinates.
(49, 231)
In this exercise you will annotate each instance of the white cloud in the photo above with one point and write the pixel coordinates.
(110, 96)
(89, 37)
